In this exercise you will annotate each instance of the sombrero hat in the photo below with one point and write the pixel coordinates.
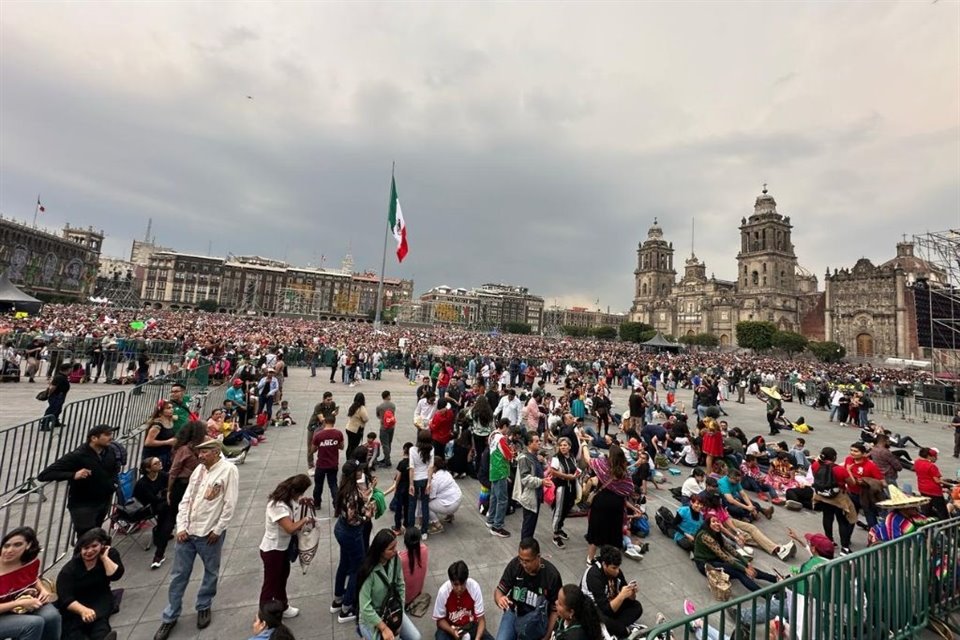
(899, 500)
(771, 392)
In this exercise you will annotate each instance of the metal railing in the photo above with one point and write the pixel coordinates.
(892, 590)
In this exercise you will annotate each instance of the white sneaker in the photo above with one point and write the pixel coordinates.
(785, 550)
(291, 612)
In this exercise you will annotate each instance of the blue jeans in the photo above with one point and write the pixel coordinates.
(407, 631)
(535, 628)
(42, 624)
(350, 539)
(497, 510)
(184, 555)
(471, 629)
(597, 440)
(758, 486)
(419, 493)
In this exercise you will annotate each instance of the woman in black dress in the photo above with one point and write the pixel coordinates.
(83, 588)
(607, 511)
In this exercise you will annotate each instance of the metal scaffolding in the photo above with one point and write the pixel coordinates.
(938, 299)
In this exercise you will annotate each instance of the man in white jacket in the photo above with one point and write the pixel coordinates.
(205, 512)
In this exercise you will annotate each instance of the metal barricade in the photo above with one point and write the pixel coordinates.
(891, 590)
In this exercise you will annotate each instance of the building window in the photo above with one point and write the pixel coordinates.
(755, 277)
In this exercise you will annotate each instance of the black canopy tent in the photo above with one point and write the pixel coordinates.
(660, 343)
(13, 300)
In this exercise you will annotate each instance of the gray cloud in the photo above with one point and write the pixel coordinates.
(530, 148)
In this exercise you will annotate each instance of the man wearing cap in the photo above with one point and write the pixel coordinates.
(267, 390)
(90, 471)
(205, 512)
(821, 551)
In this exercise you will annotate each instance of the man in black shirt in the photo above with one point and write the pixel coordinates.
(57, 390)
(90, 470)
(616, 599)
(527, 594)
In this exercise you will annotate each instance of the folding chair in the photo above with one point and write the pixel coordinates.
(129, 515)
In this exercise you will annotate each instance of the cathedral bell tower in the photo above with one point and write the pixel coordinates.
(654, 276)
(767, 265)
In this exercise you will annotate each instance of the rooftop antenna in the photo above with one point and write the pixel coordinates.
(146, 238)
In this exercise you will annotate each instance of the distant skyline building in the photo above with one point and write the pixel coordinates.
(490, 306)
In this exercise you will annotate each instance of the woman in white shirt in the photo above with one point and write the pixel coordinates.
(279, 527)
(421, 472)
(445, 496)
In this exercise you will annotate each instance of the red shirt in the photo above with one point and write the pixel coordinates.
(327, 443)
(441, 426)
(866, 468)
(926, 471)
(840, 474)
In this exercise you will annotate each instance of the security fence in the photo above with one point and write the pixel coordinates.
(28, 448)
(892, 590)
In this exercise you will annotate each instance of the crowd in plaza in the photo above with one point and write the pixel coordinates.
(528, 419)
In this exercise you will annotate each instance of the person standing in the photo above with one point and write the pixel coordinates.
(357, 418)
(421, 472)
(564, 474)
(481, 426)
(353, 509)
(930, 482)
(387, 415)
(206, 510)
(327, 443)
(528, 489)
(151, 491)
(831, 498)
(159, 440)
(324, 409)
(956, 433)
(860, 468)
(500, 456)
(181, 406)
(57, 390)
(267, 389)
(279, 528)
(90, 471)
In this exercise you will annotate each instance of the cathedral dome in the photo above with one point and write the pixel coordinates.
(655, 232)
(765, 204)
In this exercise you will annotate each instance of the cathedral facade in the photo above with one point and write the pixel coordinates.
(770, 285)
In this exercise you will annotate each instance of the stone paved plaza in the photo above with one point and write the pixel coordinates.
(665, 575)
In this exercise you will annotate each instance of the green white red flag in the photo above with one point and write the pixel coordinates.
(397, 224)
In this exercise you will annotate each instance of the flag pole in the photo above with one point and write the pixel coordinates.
(36, 210)
(383, 263)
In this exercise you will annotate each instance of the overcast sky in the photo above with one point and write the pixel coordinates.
(534, 142)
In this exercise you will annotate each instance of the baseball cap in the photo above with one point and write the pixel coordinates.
(237, 382)
(821, 543)
(99, 430)
(935, 452)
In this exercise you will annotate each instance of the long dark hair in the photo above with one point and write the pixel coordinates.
(378, 545)
(271, 614)
(584, 610)
(424, 445)
(33, 544)
(348, 488)
(411, 540)
(291, 488)
(481, 410)
(192, 433)
(618, 462)
(358, 401)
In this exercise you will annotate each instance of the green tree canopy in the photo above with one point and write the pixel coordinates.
(517, 327)
(208, 305)
(574, 331)
(789, 341)
(827, 351)
(635, 332)
(755, 335)
(604, 333)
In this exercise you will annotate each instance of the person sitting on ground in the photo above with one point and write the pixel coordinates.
(445, 496)
(799, 453)
(615, 598)
(754, 479)
(26, 609)
(693, 486)
(687, 521)
(737, 502)
(458, 609)
(527, 595)
(742, 532)
(708, 550)
(782, 475)
(414, 560)
(268, 623)
(577, 617)
(83, 588)
(757, 447)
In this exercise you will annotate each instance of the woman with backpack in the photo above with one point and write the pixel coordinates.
(829, 496)
(382, 591)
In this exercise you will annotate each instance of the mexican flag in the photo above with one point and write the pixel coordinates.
(397, 225)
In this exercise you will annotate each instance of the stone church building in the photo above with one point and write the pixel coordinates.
(770, 285)
(868, 309)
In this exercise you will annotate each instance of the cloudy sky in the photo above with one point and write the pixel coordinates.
(534, 142)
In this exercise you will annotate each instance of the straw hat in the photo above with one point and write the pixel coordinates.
(771, 392)
(899, 500)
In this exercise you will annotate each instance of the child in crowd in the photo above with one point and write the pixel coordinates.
(283, 417)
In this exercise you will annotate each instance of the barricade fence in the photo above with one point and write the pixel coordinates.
(892, 590)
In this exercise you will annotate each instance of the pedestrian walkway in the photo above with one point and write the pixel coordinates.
(665, 575)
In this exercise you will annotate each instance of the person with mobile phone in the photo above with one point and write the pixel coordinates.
(616, 599)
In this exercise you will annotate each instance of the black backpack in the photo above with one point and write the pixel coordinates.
(664, 518)
(824, 483)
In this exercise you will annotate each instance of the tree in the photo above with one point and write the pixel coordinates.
(827, 351)
(517, 327)
(208, 305)
(701, 340)
(755, 335)
(789, 341)
(633, 331)
(574, 331)
(604, 333)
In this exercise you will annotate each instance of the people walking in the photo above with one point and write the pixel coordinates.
(206, 511)
(57, 390)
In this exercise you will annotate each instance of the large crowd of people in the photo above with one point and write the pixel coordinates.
(526, 418)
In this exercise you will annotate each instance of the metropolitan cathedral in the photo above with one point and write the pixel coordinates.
(770, 285)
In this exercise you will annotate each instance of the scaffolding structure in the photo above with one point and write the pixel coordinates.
(121, 292)
(938, 299)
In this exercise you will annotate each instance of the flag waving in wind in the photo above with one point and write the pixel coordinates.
(397, 224)
(40, 207)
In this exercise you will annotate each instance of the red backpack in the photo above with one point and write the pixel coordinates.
(389, 419)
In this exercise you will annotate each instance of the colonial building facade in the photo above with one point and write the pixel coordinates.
(770, 285)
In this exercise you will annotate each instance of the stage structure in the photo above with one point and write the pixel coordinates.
(938, 302)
